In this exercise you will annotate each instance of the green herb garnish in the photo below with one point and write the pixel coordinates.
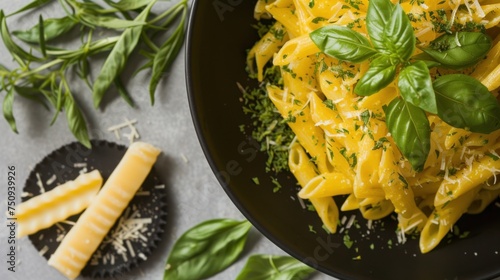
(459, 100)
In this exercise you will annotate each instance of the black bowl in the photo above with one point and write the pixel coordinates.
(219, 34)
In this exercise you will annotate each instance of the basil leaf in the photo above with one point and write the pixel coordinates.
(380, 74)
(8, 105)
(53, 28)
(206, 249)
(76, 122)
(462, 49)
(415, 86)
(117, 59)
(411, 131)
(390, 29)
(342, 43)
(464, 102)
(377, 18)
(268, 267)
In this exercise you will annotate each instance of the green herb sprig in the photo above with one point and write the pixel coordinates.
(43, 70)
(459, 100)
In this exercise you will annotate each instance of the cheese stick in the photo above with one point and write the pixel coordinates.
(85, 236)
(63, 201)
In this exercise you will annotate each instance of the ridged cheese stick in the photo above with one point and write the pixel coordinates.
(63, 201)
(85, 236)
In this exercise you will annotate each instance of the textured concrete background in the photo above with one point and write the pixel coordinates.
(195, 194)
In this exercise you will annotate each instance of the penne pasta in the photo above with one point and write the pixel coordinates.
(344, 146)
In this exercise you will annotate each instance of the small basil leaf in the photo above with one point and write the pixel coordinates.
(76, 122)
(267, 267)
(464, 102)
(206, 249)
(53, 28)
(411, 131)
(462, 49)
(380, 74)
(342, 43)
(8, 105)
(116, 60)
(415, 86)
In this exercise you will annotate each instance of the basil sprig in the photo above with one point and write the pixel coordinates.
(211, 246)
(459, 100)
(265, 267)
(206, 249)
(43, 70)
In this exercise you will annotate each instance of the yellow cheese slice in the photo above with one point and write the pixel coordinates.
(63, 201)
(85, 236)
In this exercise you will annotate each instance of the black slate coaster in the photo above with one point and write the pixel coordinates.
(144, 218)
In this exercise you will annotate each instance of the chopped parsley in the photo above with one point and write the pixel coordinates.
(268, 126)
(256, 180)
(347, 241)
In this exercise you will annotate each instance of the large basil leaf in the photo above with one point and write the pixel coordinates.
(415, 86)
(464, 102)
(390, 29)
(267, 267)
(380, 74)
(342, 43)
(459, 50)
(206, 249)
(411, 131)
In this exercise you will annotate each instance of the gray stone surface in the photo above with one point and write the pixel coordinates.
(195, 193)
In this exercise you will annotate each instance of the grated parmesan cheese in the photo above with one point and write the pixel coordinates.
(130, 124)
(43, 250)
(39, 183)
(51, 180)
